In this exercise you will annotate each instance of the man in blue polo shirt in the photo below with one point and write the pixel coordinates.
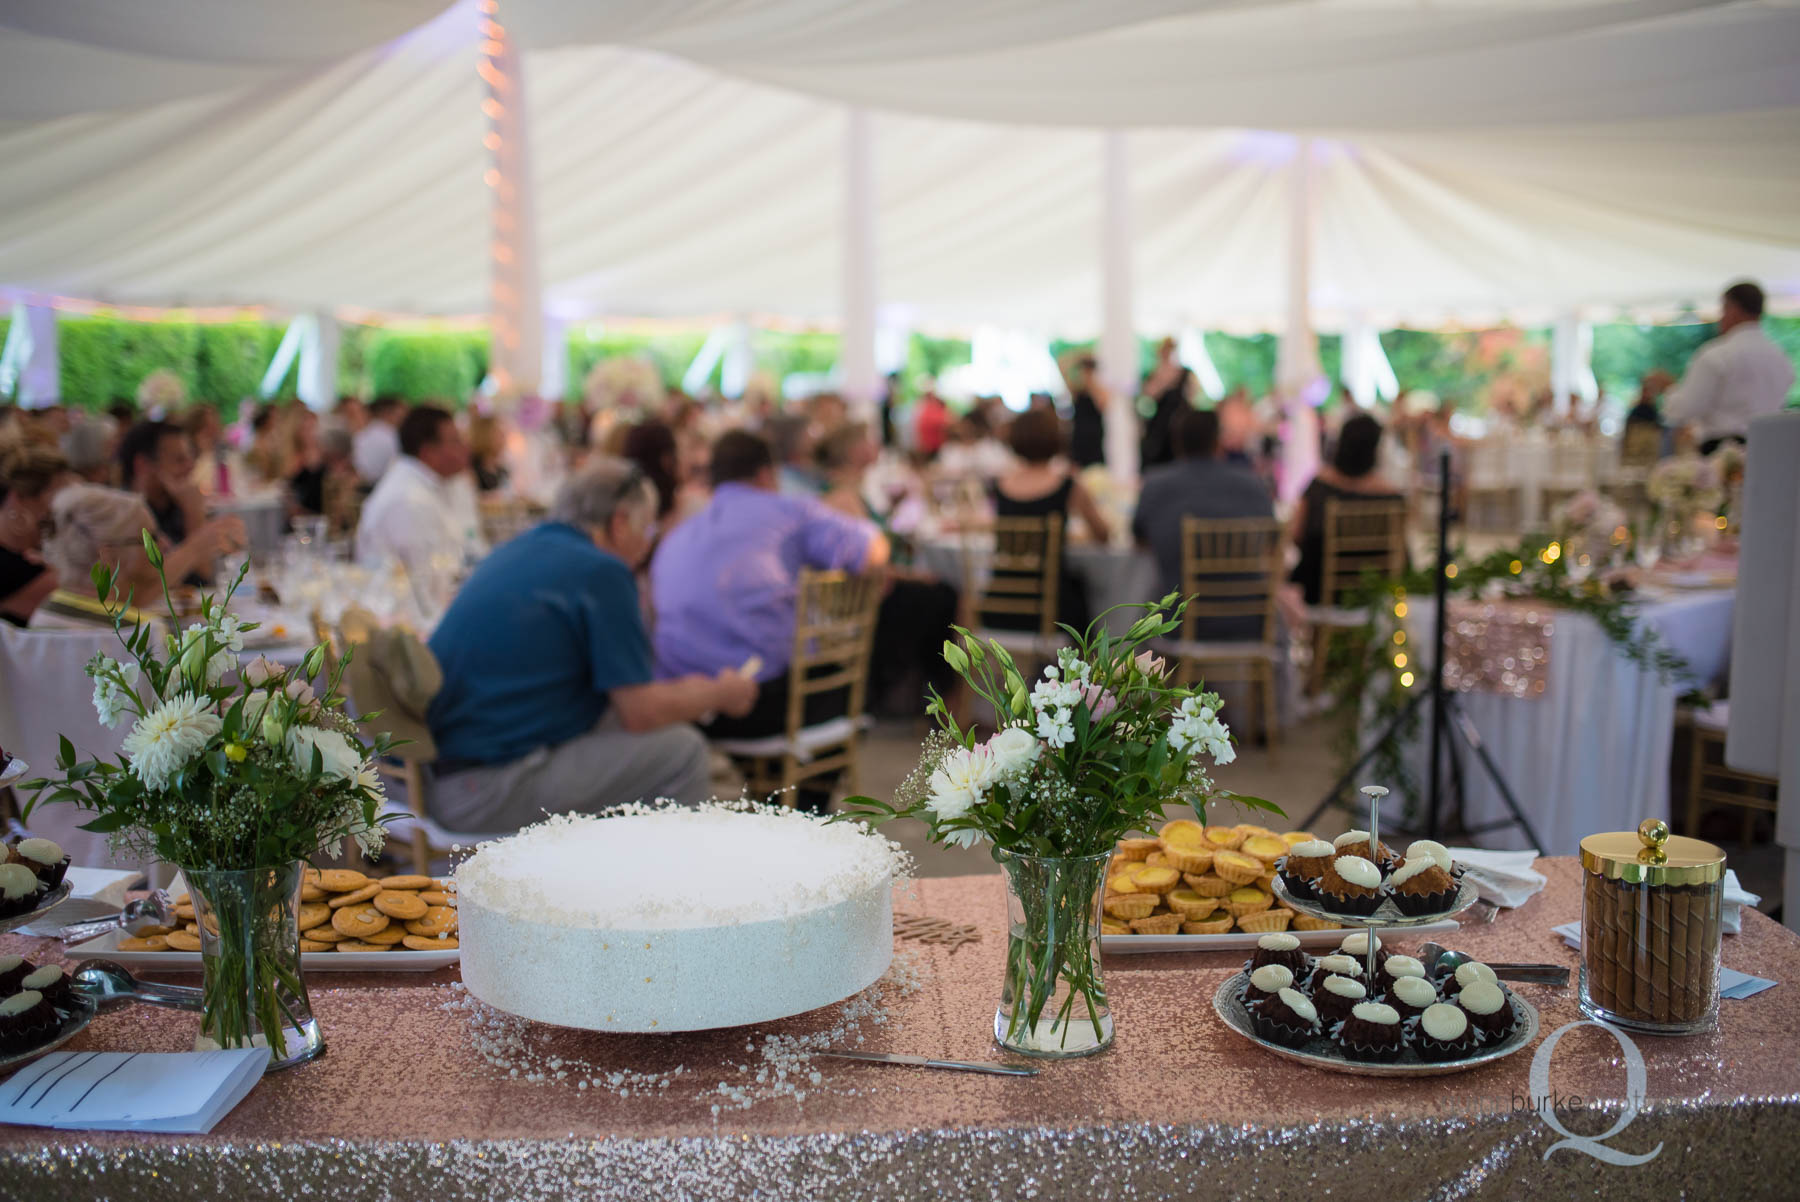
(549, 702)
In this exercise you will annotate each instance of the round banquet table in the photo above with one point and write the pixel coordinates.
(1591, 752)
(1114, 575)
(1180, 1107)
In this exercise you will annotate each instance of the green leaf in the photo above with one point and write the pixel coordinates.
(106, 824)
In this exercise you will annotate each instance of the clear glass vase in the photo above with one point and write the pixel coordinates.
(253, 992)
(1053, 1001)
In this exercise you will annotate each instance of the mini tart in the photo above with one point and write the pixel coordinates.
(1189, 904)
(1182, 833)
(1209, 885)
(1443, 1033)
(1372, 1032)
(1295, 838)
(14, 969)
(1157, 859)
(1266, 982)
(26, 1020)
(1155, 880)
(1157, 924)
(1236, 867)
(1266, 921)
(1137, 849)
(1288, 1019)
(1279, 949)
(1489, 1011)
(1124, 880)
(1208, 926)
(1411, 996)
(51, 983)
(1224, 838)
(1307, 922)
(1265, 882)
(1107, 927)
(1247, 829)
(44, 858)
(1351, 885)
(1127, 906)
(1336, 997)
(1189, 859)
(1247, 900)
(1420, 887)
(1267, 848)
(19, 890)
(1335, 964)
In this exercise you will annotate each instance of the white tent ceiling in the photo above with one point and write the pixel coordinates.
(1471, 159)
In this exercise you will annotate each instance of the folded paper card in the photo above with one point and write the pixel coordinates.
(185, 1093)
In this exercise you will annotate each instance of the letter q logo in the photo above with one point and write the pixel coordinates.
(1593, 1145)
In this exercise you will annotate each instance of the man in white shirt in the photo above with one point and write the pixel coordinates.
(424, 513)
(377, 444)
(1739, 375)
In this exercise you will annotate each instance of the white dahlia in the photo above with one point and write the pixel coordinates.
(168, 737)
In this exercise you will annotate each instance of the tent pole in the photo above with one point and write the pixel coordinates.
(1118, 331)
(1299, 379)
(319, 362)
(517, 310)
(856, 354)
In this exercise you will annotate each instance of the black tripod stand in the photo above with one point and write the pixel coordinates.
(1446, 710)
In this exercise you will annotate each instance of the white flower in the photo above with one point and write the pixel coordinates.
(342, 759)
(168, 737)
(1013, 750)
(369, 780)
(968, 836)
(193, 646)
(228, 631)
(960, 782)
(1057, 728)
(109, 698)
(1054, 695)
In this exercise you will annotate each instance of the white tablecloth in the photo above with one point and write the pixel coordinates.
(1592, 753)
(1114, 575)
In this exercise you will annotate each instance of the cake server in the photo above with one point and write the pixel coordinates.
(961, 1066)
(1432, 955)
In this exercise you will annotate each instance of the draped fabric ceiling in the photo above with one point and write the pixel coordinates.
(1471, 159)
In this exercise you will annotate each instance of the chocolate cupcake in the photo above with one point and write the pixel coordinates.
(1351, 885)
(13, 970)
(1303, 865)
(1356, 946)
(1265, 983)
(1336, 997)
(26, 1020)
(1470, 971)
(1280, 948)
(1419, 886)
(53, 985)
(1396, 968)
(1335, 965)
(1411, 996)
(45, 859)
(1356, 843)
(1489, 1011)
(1287, 1019)
(19, 890)
(1444, 1033)
(1372, 1032)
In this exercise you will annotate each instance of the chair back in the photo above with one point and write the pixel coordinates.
(1026, 571)
(1360, 536)
(1231, 569)
(1642, 445)
(834, 635)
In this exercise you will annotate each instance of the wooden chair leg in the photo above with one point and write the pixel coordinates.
(1696, 751)
(1315, 675)
(1271, 716)
(415, 801)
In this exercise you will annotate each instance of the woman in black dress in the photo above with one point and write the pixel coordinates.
(1087, 425)
(30, 476)
(1171, 387)
(1352, 475)
(1042, 485)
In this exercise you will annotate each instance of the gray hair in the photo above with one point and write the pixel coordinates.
(87, 444)
(88, 521)
(604, 485)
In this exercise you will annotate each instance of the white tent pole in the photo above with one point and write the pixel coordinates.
(1118, 332)
(292, 341)
(736, 361)
(319, 362)
(693, 380)
(517, 358)
(1298, 376)
(1563, 351)
(856, 353)
(1190, 349)
(553, 370)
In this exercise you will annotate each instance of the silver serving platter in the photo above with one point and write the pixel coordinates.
(51, 900)
(1387, 914)
(1320, 1052)
(76, 1017)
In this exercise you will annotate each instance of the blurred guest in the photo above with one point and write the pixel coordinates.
(1651, 390)
(487, 452)
(1041, 485)
(1088, 400)
(156, 461)
(1170, 386)
(92, 446)
(270, 459)
(828, 412)
(549, 699)
(377, 444)
(890, 398)
(124, 412)
(424, 513)
(972, 451)
(1351, 474)
(931, 422)
(1201, 484)
(791, 441)
(1740, 375)
(653, 446)
(350, 415)
(30, 478)
(90, 525)
(1238, 430)
(325, 482)
(212, 473)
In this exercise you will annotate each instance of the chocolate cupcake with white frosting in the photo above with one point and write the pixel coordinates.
(1281, 948)
(1396, 968)
(45, 859)
(1265, 983)
(1489, 1010)
(1356, 843)
(1351, 885)
(1443, 1033)
(19, 890)
(53, 984)
(1411, 996)
(1356, 946)
(1372, 1032)
(1419, 886)
(13, 971)
(1335, 965)
(1288, 1019)
(26, 1020)
(1336, 997)
(1303, 865)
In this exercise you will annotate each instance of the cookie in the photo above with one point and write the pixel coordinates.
(311, 892)
(325, 934)
(406, 882)
(313, 914)
(341, 880)
(388, 938)
(447, 884)
(425, 943)
(182, 941)
(151, 932)
(359, 920)
(147, 943)
(185, 910)
(404, 906)
(185, 899)
(437, 921)
(313, 945)
(437, 897)
(354, 896)
(355, 945)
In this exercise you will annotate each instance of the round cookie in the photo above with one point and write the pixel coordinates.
(355, 945)
(356, 921)
(147, 943)
(313, 945)
(437, 897)
(341, 880)
(386, 938)
(404, 906)
(182, 941)
(405, 882)
(423, 943)
(355, 896)
(437, 921)
(325, 934)
(185, 910)
(310, 892)
(313, 914)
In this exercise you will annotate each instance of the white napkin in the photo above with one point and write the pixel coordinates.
(183, 1092)
(1732, 983)
(1731, 919)
(1505, 878)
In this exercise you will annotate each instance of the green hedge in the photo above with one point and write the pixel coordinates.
(441, 366)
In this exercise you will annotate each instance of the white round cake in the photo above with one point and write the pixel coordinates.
(677, 919)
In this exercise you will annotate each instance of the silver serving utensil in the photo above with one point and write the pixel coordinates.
(1440, 961)
(152, 910)
(963, 1066)
(110, 984)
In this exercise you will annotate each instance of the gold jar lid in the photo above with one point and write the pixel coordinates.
(1651, 856)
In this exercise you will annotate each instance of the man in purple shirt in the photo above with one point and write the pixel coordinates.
(725, 582)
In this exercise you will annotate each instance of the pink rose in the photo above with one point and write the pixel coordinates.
(1100, 702)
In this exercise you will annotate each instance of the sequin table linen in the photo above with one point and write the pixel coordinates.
(402, 1107)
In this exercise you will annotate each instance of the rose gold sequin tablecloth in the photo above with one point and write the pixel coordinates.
(402, 1107)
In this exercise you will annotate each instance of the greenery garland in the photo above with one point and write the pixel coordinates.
(1373, 662)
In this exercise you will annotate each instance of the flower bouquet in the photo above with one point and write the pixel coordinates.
(1094, 749)
(238, 774)
(1591, 528)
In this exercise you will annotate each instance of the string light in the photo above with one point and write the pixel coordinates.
(1720, 522)
(1406, 680)
(1515, 567)
(1399, 638)
(1400, 610)
(1450, 571)
(1400, 660)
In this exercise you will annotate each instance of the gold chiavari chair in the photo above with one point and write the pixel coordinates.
(1361, 536)
(834, 633)
(1711, 783)
(1024, 584)
(1230, 574)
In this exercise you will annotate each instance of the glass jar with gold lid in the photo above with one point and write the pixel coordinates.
(1650, 930)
